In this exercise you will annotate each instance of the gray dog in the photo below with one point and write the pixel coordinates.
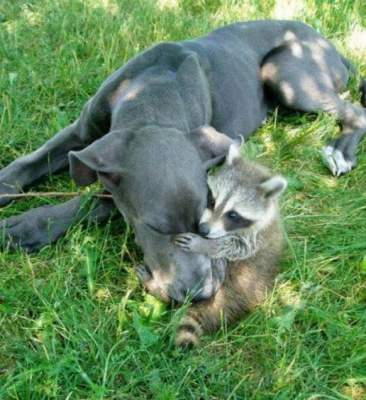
(152, 130)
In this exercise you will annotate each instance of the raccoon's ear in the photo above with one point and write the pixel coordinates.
(273, 186)
(212, 145)
(233, 154)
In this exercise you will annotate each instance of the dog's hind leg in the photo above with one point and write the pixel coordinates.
(340, 154)
(308, 78)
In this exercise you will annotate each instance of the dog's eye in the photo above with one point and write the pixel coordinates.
(155, 229)
(161, 230)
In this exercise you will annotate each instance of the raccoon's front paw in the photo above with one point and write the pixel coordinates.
(189, 242)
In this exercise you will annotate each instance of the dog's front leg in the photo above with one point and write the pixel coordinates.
(43, 225)
(49, 158)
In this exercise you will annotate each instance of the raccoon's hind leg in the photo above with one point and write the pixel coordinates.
(245, 286)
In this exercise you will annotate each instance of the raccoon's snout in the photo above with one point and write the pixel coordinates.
(204, 229)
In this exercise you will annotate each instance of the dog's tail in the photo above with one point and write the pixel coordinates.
(363, 92)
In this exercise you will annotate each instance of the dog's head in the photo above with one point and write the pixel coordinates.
(158, 181)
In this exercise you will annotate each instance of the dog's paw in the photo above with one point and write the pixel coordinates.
(6, 192)
(336, 161)
(10, 183)
(36, 228)
(24, 231)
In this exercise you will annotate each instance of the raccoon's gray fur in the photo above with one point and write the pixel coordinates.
(242, 227)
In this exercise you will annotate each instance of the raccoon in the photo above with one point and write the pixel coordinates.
(241, 227)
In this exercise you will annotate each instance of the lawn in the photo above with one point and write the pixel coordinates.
(74, 322)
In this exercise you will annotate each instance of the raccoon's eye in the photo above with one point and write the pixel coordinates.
(237, 221)
(233, 215)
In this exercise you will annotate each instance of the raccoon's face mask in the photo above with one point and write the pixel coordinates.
(241, 197)
(158, 181)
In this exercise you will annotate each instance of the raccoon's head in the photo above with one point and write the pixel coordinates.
(242, 196)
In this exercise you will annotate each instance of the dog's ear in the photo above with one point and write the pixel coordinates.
(213, 146)
(100, 160)
(194, 88)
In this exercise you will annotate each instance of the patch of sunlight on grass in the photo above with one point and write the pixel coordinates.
(270, 145)
(288, 9)
(152, 307)
(242, 11)
(168, 4)
(109, 6)
(354, 390)
(289, 296)
(122, 314)
(287, 373)
(34, 18)
(356, 40)
(11, 26)
(329, 181)
(102, 294)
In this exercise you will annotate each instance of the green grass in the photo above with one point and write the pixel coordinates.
(75, 324)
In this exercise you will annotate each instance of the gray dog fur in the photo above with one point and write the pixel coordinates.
(151, 131)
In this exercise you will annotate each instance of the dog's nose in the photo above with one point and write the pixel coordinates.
(204, 229)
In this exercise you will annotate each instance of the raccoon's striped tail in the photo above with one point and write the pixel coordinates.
(188, 332)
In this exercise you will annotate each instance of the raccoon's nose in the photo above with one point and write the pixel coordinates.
(204, 229)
